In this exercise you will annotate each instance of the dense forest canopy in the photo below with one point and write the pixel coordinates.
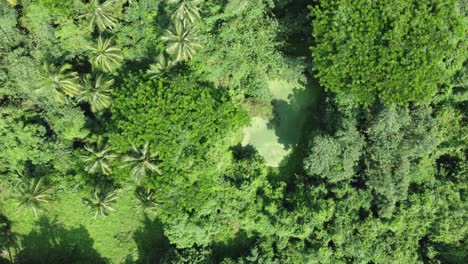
(126, 131)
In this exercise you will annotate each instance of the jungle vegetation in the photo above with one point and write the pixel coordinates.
(122, 125)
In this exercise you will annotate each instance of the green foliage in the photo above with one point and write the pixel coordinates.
(335, 157)
(376, 184)
(161, 66)
(146, 198)
(139, 32)
(240, 49)
(105, 56)
(398, 51)
(180, 119)
(187, 11)
(399, 144)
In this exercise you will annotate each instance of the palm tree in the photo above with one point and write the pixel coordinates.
(96, 92)
(186, 11)
(60, 80)
(182, 41)
(98, 157)
(101, 202)
(105, 56)
(100, 14)
(146, 198)
(141, 161)
(161, 66)
(33, 193)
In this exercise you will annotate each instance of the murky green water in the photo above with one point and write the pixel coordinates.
(293, 105)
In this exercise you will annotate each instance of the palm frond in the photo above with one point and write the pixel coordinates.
(60, 80)
(142, 160)
(33, 194)
(101, 202)
(105, 56)
(96, 91)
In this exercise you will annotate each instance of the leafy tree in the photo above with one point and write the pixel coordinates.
(399, 146)
(142, 160)
(96, 92)
(182, 41)
(33, 194)
(101, 202)
(398, 56)
(99, 14)
(59, 80)
(140, 42)
(180, 119)
(335, 157)
(241, 50)
(105, 56)
(98, 157)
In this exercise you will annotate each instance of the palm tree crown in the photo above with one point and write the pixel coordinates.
(105, 56)
(100, 15)
(33, 193)
(60, 80)
(141, 160)
(182, 41)
(162, 65)
(186, 11)
(96, 92)
(146, 198)
(98, 157)
(101, 202)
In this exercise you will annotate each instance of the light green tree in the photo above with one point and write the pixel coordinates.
(105, 56)
(96, 91)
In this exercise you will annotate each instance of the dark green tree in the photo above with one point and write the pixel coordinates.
(398, 51)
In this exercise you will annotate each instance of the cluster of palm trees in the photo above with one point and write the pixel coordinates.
(181, 39)
(97, 160)
(104, 57)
